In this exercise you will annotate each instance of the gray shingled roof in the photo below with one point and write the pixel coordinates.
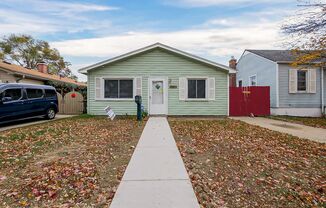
(276, 55)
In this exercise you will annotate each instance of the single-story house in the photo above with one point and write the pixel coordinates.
(296, 91)
(12, 73)
(170, 81)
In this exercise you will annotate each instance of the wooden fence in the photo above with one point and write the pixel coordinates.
(71, 103)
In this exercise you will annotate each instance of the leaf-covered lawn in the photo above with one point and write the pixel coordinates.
(76, 162)
(314, 122)
(234, 164)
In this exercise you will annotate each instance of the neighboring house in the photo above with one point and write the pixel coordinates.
(11, 73)
(170, 81)
(293, 91)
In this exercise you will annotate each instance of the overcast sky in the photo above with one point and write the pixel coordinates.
(86, 32)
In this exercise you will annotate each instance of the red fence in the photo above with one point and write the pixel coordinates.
(245, 101)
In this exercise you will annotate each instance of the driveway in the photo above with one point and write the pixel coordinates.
(28, 122)
(302, 131)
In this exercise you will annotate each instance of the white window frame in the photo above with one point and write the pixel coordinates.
(241, 82)
(119, 78)
(255, 75)
(307, 81)
(206, 89)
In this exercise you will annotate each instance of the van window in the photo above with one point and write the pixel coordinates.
(15, 94)
(50, 93)
(34, 93)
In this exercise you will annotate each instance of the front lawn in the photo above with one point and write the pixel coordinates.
(314, 122)
(75, 162)
(234, 164)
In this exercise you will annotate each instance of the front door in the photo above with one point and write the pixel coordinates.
(158, 103)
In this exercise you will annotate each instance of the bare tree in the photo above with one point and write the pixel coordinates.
(307, 32)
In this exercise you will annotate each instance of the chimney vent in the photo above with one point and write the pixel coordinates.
(42, 67)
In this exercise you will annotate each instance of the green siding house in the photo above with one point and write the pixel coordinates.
(170, 81)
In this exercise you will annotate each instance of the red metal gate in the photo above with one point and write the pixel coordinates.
(245, 101)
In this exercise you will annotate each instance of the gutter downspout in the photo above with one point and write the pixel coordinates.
(322, 91)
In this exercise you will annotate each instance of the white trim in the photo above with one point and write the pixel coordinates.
(206, 88)
(228, 95)
(307, 81)
(166, 93)
(150, 47)
(277, 86)
(254, 75)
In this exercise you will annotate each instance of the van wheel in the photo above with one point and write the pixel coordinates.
(50, 114)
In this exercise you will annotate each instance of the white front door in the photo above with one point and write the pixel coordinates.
(158, 99)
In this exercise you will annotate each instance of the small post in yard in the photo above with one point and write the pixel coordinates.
(138, 101)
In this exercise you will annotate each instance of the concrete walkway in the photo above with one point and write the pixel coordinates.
(302, 131)
(156, 176)
(29, 122)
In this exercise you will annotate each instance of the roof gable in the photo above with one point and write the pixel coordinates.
(157, 46)
(279, 56)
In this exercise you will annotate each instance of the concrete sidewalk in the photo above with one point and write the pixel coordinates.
(156, 176)
(302, 131)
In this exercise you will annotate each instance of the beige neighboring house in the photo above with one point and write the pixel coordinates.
(12, 73)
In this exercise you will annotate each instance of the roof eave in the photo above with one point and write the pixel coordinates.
(150, 47)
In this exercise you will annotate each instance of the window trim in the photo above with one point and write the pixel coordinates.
(206, 89)
(13, 101)
(307, 81)
(254, 75)
(118, 78)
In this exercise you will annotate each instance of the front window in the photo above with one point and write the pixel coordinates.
(197, 88)
(240, 83)
(12, 94)
(253, 80)
(118, 88)
(302, 80)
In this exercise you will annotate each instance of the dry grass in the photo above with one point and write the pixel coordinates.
(70, 162)
(234, 164)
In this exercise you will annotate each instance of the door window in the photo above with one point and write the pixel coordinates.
(157, 92)
(13, 94)
(34, 93)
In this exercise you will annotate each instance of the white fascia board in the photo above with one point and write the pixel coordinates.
(156, 45)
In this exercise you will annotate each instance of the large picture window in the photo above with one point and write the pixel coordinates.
(197, 88)
(118, 88)
(302, 80)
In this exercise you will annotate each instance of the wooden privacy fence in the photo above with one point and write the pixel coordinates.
(71, 103)
(245, 101)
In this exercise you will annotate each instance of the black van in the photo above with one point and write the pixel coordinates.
(20, 101)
